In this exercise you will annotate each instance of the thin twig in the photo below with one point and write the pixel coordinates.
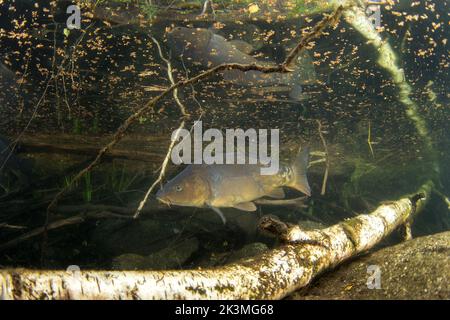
(161, 173)
(170, 76)
(369, 140)
(205, 8)
(192, 87)
(54, 75)
(9, 226)
(327, 158)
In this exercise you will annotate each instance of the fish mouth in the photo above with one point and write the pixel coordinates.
(162, 199)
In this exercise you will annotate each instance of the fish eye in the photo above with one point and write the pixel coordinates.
(178, 188)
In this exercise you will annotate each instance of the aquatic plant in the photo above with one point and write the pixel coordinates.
(148, 9)
(88, 190)
(95, 123)
(87, 186)
(76, 125)
(119, 179)
(67, 184)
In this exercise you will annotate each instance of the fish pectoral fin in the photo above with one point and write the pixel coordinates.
(220, 214)
(245, 206)
(277, 193)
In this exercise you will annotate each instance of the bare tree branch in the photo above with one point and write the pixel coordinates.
(161, 173)
(327, 158)
(170, 76)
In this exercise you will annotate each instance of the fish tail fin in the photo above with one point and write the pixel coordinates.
(299, 166)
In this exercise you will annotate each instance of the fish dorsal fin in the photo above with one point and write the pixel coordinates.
(277, 193)
(245, 206)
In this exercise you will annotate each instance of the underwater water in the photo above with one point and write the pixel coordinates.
(373, 115)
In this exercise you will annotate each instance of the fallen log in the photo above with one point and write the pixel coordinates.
(272, 275)
(134, 147)
(153, 148)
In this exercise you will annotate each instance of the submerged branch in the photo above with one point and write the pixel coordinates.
(161, 173)
(77, 219)
(327, 158)
(170, 76)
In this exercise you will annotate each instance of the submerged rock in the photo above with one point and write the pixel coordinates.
(168, 258)
(416, 269)
(141, 237)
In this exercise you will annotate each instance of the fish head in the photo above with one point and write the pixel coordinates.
(189, 188)
(190, 42)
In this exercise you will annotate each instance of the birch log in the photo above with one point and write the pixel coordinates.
(272, 275)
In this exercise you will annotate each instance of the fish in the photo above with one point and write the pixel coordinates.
(204, 47)
(236, 186)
